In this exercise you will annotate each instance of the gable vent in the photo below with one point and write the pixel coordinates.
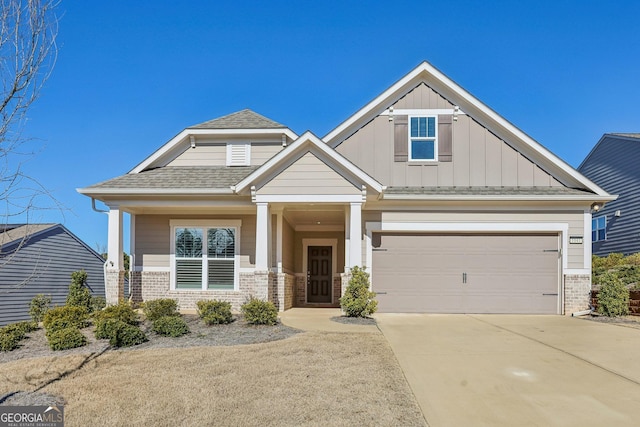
(239, 154)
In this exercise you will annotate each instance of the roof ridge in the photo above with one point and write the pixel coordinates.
(243, 119)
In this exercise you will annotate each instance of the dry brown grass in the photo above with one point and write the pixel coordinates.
(315, 378)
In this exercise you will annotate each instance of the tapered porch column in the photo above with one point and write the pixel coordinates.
(114, 272)
(262, 236)
(355, 235)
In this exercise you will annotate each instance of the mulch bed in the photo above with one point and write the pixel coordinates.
(628, 321)
(235, 333)
(354, 320)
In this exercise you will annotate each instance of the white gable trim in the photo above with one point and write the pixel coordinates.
(308, 138)
(185, 135)
(426, 73)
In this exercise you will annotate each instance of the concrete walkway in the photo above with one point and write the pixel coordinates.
(490, 370)
(319, 319)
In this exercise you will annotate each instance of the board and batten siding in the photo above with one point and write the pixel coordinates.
(153, 238)
(211, 153)
(615, 166)
(574, 220)
(43, 265)
(479, 158)
(309, 175)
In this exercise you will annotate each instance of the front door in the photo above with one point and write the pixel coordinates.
(319, 274)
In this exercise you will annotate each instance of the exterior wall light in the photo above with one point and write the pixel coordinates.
(596, 207)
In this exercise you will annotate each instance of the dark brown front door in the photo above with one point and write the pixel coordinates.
(319, 274)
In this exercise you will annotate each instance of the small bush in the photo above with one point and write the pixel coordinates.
(65, 317)
(9, 340)
(613, 297)
(122, 311)
(106, 328)
(215, 312)
(158, 308)
(20, 329)
(97, 303)
(170, 326)
(258, 312)
(358, 300)
(38, 306)
(66, 338)
(126, 335)
(79, 294)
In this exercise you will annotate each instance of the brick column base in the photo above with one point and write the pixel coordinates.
(114, 286)
(577, 292)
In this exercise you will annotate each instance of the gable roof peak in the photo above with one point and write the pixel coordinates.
(243, 119)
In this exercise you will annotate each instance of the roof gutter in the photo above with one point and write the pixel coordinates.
(155, 191)
(497, 198)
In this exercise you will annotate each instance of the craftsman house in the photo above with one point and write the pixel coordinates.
(450, 207)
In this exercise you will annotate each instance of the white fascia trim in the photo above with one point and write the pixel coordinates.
(586, 240)
(420, 111)
(586, 198)
(155, 191)
(434, 73)
(185, 134)
(305, 138)
(297, 198)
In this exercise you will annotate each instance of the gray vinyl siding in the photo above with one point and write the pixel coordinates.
(43, 264)
(614, 166)
(479, 158)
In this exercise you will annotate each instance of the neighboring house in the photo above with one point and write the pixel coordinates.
(39, 259)
(614, 164)
(449, 206)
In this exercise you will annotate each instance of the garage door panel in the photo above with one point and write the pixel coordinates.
(504, 273)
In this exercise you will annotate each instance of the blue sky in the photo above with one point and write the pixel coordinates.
(131, 75)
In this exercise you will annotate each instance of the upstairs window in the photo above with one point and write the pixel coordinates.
(423, 145)
(599, 229)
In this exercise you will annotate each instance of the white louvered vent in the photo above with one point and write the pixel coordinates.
(239, 154)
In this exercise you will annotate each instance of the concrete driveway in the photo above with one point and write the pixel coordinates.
(499, 370)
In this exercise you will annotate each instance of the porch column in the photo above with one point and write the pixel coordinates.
(279, 225)
(262, 236)
(355, 235)
(114, 271)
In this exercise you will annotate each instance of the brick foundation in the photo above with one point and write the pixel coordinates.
(114, 286)
(577, 292)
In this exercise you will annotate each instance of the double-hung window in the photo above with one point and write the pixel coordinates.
(205, 255)
(599, 229)
(423, 138)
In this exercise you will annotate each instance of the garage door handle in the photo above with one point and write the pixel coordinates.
(381, 293)
(379, 250)
(555, 295)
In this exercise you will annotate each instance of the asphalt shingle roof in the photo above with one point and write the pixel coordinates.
(628, 135)
(245, 119)
(486, 191)
(172, 177)
(13, 232)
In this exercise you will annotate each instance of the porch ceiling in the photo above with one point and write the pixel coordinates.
(310, 215)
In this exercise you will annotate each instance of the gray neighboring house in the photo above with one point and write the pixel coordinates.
(614, 164)
(39, 259)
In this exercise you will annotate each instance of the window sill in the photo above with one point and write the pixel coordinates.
(423, 163)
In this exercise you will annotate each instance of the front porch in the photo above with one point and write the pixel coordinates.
(292, 254)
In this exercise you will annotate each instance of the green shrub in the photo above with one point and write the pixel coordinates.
(215, 312)
(21, 329)
(106, 328)
(79, 294)
(9, 340)
(66, 338)
(358, 300)
(122, 311)
(613, 297)
(97, 303)
(65, 317)
(125, 335)
(258, 312)
(38, 306)
(158, 308)
(170, 326)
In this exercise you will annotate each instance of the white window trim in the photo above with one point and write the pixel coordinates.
(204, 223)
(305, 261)
(596, 218)
(247, 153)
(435, 138)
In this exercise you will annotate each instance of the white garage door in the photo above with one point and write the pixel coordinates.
(466, 273)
